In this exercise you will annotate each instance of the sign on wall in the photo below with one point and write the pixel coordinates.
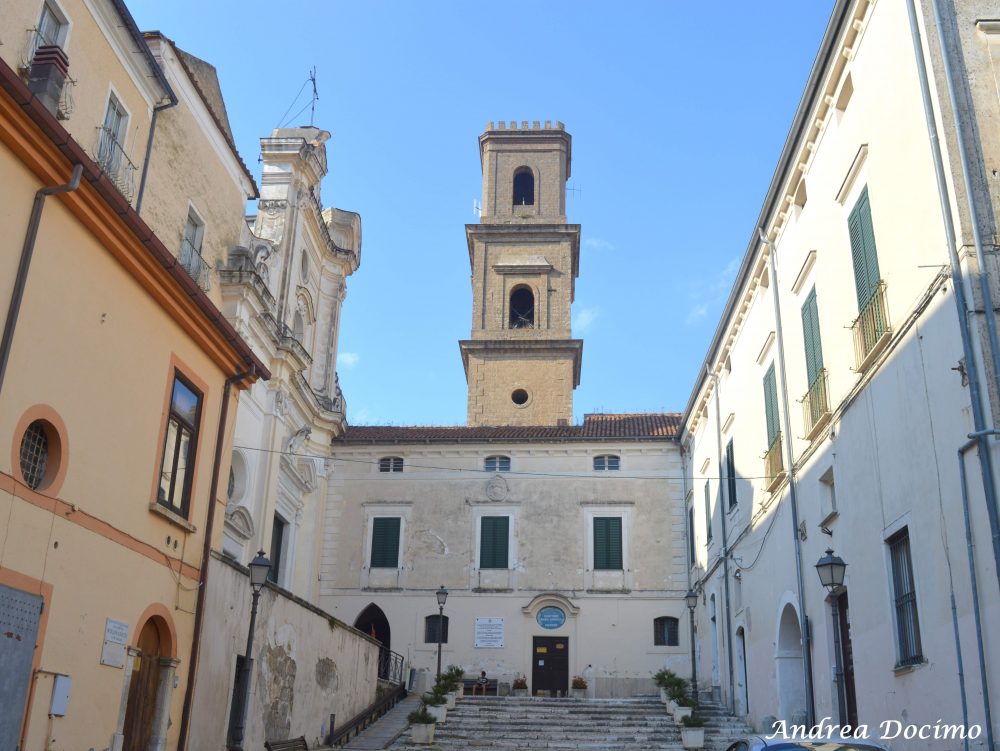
(550, 617)
(489, 633)
(115, 639)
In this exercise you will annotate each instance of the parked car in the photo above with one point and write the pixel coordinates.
(762, 743)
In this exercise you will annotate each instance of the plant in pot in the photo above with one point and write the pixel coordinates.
(519, 686)
(665, 679)
(421, 725)
(449, 687)
(437, 703)
(457, 674)
(578, 688)
(685, 707)
(693, 732)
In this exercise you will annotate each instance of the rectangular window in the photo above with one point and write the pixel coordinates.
(690, 535)
(110, 150)
(278, 532)
(51, 28)
(497, 464)
(771, 406)
(385, 542)
(607, 462)
(708, 513)
(607, 543)
(493, 541)
(390, 464)
(666, 632)
(810, 334)
(731, 475)
(432, 624)
(905, 596)
(179, 447)
(863, 252)
(194, 230)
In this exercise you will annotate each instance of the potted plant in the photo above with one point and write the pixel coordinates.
(447, 685)
(578, 688)
(519, 687)
(693, 732)
(437, 704)
(685, 707)
(457, 675)
(421, 725)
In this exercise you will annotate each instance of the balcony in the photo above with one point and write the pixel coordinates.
(871, 328)
(774, 465)
(816, 405)
(45, 68)
(114, 162)
(195, 265)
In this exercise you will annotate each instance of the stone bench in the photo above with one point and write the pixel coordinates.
(491, 686)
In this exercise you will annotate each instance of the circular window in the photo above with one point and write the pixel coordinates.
(519, 397)
(39, 454)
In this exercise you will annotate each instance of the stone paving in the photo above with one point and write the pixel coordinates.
(389, 727)
(638, 724)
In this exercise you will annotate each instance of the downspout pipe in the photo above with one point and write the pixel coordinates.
(172, 102)
(958, 281)
(725, 547)
(27, 250)
(975, 439)
(685, 455)
(804, 626)
(206, 553)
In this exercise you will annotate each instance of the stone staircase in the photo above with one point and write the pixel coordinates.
(640, 723)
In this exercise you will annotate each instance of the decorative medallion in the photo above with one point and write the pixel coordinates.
(496, 489)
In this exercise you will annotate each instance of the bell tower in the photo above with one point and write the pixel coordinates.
(521, 362)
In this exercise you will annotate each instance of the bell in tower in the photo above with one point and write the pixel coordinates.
(521, 362)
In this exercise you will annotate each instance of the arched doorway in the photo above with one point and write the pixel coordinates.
(144, 687)
(742, 693)
(373, 622)
(788, 666)
(716, 683)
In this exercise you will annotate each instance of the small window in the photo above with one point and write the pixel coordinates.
(494, 542)
(34, 454)
(607, 462)
(385, 542)
(110, 148)
(522, 309)
(665, 632)
(431, 624)
(52, 27)
(524, 187)
(497, 464)
(279, 540)
(390, 464)
(607, 543)
(905, 599)
(194, 231)
(179, 447)
(519, 397)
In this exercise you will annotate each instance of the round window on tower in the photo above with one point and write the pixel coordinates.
(39, 450)
(520, 397)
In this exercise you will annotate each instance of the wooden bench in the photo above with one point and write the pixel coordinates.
(491, 686)
(292, 744)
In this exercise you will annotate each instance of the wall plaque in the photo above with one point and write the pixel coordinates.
(550, 617)
(489, 633)
(115, 639)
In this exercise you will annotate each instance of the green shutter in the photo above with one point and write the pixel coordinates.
(493, 539)
(607, 543)
(810, 332)
(863, 252)
(771, 406)
(708, 513)
(385, 542)
(731, 474)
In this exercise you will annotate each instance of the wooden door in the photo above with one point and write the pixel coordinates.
(142, 690)
(550, 665)
(847, 655)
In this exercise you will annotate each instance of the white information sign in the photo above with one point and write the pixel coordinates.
(489, 633)
(115, 639)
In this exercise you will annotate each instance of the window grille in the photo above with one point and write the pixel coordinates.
(34, 454)
(907, 622)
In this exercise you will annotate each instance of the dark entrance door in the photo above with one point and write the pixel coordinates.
(141, 707)
(374, 623)
(550, 665)
(847, 654)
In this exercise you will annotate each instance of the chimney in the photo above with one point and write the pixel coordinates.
(49, 70)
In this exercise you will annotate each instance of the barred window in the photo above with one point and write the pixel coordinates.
(34, 454)
(607, 462)
(390, 464)
(431, 629)
(905, 597)
(666, 632)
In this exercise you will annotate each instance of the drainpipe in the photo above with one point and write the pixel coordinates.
(149, 149)
(957, 278)
(690, 541)
(27, 251)
(975, 439)
(804, 626)
(206, 553)
(725, 546)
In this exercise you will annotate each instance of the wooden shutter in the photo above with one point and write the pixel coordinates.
(607, 543)
(493, 539)
(771, 406)
(810, 333)
(731, 474)
(385, 542)
(708, 512)
(863, 252)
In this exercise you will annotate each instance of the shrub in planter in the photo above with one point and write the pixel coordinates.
(693, 732)
(457, 674)
(578, 687)
(422, 725)
(579, 682)
(681, 713)
(519, 686)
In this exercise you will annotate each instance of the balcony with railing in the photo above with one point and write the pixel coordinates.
(816, 405)
(774, 465)
(871, 328)
(115, 163)
(196, 266)
(45, 68)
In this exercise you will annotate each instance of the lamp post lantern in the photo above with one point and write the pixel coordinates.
(691, 600)
(831, 569)
(442, 598)
(259, 568)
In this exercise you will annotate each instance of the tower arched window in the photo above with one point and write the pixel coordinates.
(522, 309)
(524, 187)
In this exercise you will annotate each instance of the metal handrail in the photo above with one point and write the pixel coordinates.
(196, 266)
(114, 162)
(394, 666)
(816, 402)
(871, 324)
(773, 462)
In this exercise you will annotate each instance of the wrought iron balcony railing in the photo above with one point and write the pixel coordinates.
(816, 402)
(195, 265)
(774, 465)
(114, 162)
(871, 325)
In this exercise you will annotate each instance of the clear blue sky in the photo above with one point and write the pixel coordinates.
(678, 112)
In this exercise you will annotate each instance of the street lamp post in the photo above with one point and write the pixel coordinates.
(691, 599)
(442, 598)
(259, 568)
(831, 570)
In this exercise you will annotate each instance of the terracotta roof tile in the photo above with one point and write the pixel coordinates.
(638, 426)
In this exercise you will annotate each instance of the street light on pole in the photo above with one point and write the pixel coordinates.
(691, 600)
(259, 568)
(831, 569)
(442, 598)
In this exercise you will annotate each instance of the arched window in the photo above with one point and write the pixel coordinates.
(497, 464)
(607, 462)
(390, 464)
(431, 629)
(665, 632)
(298, 327)
(522, 309)
(524, 187)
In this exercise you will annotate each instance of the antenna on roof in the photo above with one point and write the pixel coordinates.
(315, 95)
(574, 189)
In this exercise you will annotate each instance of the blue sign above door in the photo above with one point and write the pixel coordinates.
(550, 617)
